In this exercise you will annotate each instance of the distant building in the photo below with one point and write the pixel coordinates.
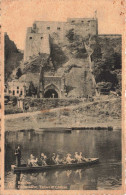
(15, 88)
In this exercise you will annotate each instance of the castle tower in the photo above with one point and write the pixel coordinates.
(37, 37)
(36, 43)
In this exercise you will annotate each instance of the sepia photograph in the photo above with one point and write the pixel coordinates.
(62, 95)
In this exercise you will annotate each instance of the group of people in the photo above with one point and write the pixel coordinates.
(55, 159)
(32, 161)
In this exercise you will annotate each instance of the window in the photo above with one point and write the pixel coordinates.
(48, 28)
(17, 91)
(13, 92)
(41, 37)
(17, 87)
(82, 21)
(20, 92)
(73, 21)
(30, 37)
(9, 91)
(58, 28)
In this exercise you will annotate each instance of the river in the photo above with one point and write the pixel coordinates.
(106, 145)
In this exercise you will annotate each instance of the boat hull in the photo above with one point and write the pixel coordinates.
(52, 167)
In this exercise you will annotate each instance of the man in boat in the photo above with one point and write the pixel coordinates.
(53, 158)
(43, 159)
(78, 157)
(83, 158)
(68, 159)
(32, 161)
(58, 160)
(18, 156)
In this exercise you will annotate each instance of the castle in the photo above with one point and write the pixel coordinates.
(43, 37)
(37, 38)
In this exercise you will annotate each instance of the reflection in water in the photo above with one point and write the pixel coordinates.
(17, 183)
(68, 173)
(105, 145)
(78, 171)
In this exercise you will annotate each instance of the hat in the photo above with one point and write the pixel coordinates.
(31, 156)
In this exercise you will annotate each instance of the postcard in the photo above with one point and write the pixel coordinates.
(62, 97)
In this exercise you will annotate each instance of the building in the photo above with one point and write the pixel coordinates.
(15, 88)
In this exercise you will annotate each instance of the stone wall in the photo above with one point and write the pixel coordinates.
(36, 43)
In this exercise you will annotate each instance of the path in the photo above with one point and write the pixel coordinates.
(28, 114)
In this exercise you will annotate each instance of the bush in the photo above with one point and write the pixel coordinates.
(13, 110)
(104, 86)
(14, 99)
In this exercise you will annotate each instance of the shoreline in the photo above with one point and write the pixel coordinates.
(26, 124)
(91, 115)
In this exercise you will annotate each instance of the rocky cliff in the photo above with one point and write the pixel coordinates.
(13, 56)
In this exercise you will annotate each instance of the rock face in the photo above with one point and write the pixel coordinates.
(12, 56)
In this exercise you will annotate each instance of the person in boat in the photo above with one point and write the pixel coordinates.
(78, 157)
(33, 162)
(43, 159)
(18, 156)
(82, 158)
(68, 159)
(53, 158)
(58, 160)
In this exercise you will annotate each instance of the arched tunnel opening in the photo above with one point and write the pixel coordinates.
(51, 93)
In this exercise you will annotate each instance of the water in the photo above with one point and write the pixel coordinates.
(106, 145)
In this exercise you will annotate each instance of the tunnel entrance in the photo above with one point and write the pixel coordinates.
(51, 93)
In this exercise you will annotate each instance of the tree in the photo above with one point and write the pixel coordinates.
(32, 89)
(104, 86)
(19, 73)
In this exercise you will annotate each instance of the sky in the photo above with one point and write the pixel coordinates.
(17, 15)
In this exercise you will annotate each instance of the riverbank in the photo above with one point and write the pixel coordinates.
(103, 113)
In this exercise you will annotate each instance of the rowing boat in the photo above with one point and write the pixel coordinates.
(25, 168)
